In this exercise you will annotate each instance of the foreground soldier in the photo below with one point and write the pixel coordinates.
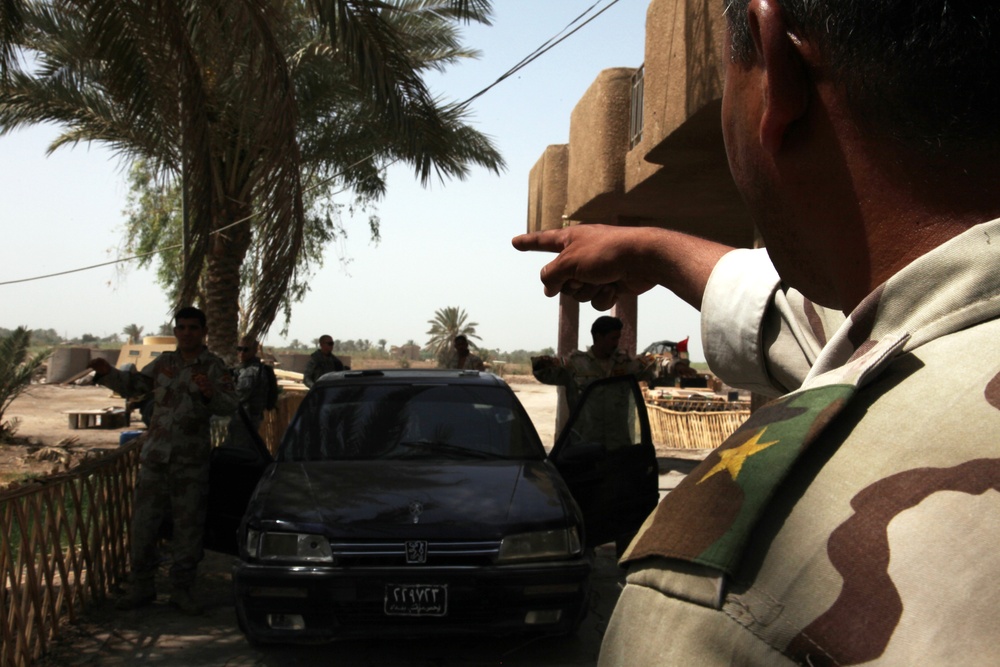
(854, 520)
(189, 385)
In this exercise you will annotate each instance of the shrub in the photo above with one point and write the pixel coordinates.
(16, 370)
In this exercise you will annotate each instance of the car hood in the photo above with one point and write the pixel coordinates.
(373, 499)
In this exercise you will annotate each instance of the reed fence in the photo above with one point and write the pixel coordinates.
(272, 429)
(691, 426)
(63, 543)
(62, 547)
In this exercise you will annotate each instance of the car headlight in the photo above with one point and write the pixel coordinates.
(540, 545)
(269, 545)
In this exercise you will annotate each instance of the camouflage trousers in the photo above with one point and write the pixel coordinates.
(178, 492)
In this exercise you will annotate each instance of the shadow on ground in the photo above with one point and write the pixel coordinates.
(160, 635)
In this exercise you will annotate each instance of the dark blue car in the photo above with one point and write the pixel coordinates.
(416, 502)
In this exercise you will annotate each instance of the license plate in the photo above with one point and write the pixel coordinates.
(416, 599)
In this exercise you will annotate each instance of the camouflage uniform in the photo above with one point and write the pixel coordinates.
(579, 369)
(449, 359)
(319, 365)
(854, 520)
(609, 418)
(251, 388)
(173, 472)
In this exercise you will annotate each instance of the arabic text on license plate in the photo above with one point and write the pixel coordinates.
(416, 599)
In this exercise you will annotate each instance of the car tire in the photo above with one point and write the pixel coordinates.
(252, 640)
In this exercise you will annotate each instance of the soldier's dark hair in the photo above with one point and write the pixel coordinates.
(461, 337)
(191, 313)
(925, 73)
(605, 324)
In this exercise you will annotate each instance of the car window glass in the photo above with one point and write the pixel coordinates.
(410, 422)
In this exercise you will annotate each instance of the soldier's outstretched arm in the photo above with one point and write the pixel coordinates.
(598, 263)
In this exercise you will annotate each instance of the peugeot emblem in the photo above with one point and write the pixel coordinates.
(415, 510)
(416, 552)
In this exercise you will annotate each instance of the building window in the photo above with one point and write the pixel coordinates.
(635, 115)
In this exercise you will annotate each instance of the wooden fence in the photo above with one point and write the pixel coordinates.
(688, 428)
(63, 543)
(62, 547)
(272, 429)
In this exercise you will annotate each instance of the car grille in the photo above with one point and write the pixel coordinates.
(416, 553)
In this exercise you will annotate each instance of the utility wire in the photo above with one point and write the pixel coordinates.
(544, 48)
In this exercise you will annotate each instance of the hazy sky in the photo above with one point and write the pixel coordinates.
(447, 245)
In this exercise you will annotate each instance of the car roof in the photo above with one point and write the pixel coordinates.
(411, 376)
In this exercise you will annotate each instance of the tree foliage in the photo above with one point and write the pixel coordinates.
(447, 323)
(16, 371)
(244, 105)
(134, 333)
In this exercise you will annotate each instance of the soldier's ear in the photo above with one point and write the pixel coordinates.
(786, 97)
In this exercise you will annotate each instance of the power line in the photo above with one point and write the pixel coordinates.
(544, 48)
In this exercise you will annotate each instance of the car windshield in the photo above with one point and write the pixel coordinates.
(420, 421)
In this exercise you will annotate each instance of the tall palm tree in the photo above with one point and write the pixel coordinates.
(243, 101)
(447, 323)
(134, 333)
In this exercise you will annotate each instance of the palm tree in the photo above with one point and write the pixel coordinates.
(241, 103)
(448, 323)
(16, 370)
(134, 333)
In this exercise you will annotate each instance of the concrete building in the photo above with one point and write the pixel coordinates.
(645, 148)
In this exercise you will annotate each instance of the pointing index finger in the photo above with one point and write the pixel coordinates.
(548, 241)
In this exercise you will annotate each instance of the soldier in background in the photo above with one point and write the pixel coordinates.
(610, 421)
(603, 359)
(189, 386)
(257, 388)
(322, 361)
(459, 356)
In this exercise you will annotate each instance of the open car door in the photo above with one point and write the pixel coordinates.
(233, 476)
(605, 454)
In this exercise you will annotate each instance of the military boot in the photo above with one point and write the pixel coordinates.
(140, 594)
(185, 603)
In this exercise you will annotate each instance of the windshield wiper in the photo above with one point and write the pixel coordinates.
(439, 446)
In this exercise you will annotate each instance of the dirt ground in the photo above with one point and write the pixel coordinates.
(44, 442)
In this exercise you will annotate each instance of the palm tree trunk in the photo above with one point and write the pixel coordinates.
(222, 283)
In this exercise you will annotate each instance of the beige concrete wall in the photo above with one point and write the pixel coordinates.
(547, 189)
(683, 68)
(598, 143)
(143, 355)
(678, 176)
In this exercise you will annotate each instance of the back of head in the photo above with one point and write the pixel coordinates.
(924, 73)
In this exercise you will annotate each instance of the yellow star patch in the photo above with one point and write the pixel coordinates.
(733, 459)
